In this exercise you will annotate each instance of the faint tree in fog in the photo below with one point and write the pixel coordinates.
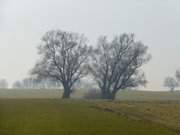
(63, 57)
(48, 84)
(178, 75)
(171, 83)
(17, 85)
(3, 84)
(116, 65)
(29, 83)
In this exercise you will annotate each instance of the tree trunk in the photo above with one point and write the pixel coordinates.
(108, 95)
(67, 92)
(172, 89)
(113, 96)
(105, 95)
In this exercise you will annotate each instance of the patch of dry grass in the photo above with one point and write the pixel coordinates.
(166, 113)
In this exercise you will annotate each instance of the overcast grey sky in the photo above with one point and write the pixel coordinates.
(155, 22)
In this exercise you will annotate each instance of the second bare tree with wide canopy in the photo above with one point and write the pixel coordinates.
(116, 65)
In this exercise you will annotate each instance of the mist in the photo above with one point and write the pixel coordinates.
(155, 23)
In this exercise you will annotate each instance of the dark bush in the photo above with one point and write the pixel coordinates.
(93, 94)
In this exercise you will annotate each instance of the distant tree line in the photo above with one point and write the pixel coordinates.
(33, 83)
(66, 58)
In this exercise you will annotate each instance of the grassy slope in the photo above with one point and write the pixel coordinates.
(57, 117)
(166, 113)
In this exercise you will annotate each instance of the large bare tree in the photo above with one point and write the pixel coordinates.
(63, 57)
(116, 65)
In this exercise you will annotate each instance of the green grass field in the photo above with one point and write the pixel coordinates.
(79, 117)
(42, 112)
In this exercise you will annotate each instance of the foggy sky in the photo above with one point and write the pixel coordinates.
(155, 22)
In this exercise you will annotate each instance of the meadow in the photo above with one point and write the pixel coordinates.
(52, 116)
(78, 94)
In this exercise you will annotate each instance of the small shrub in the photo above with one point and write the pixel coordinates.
(93, 94)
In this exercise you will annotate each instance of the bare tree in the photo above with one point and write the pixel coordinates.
(63, 57)
(29, 83)
(17, 85)
(171, 83)
(116, 65)
(3, 84)
(178, 75)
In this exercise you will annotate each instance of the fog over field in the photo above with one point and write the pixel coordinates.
(89, 67)
(155, 23)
